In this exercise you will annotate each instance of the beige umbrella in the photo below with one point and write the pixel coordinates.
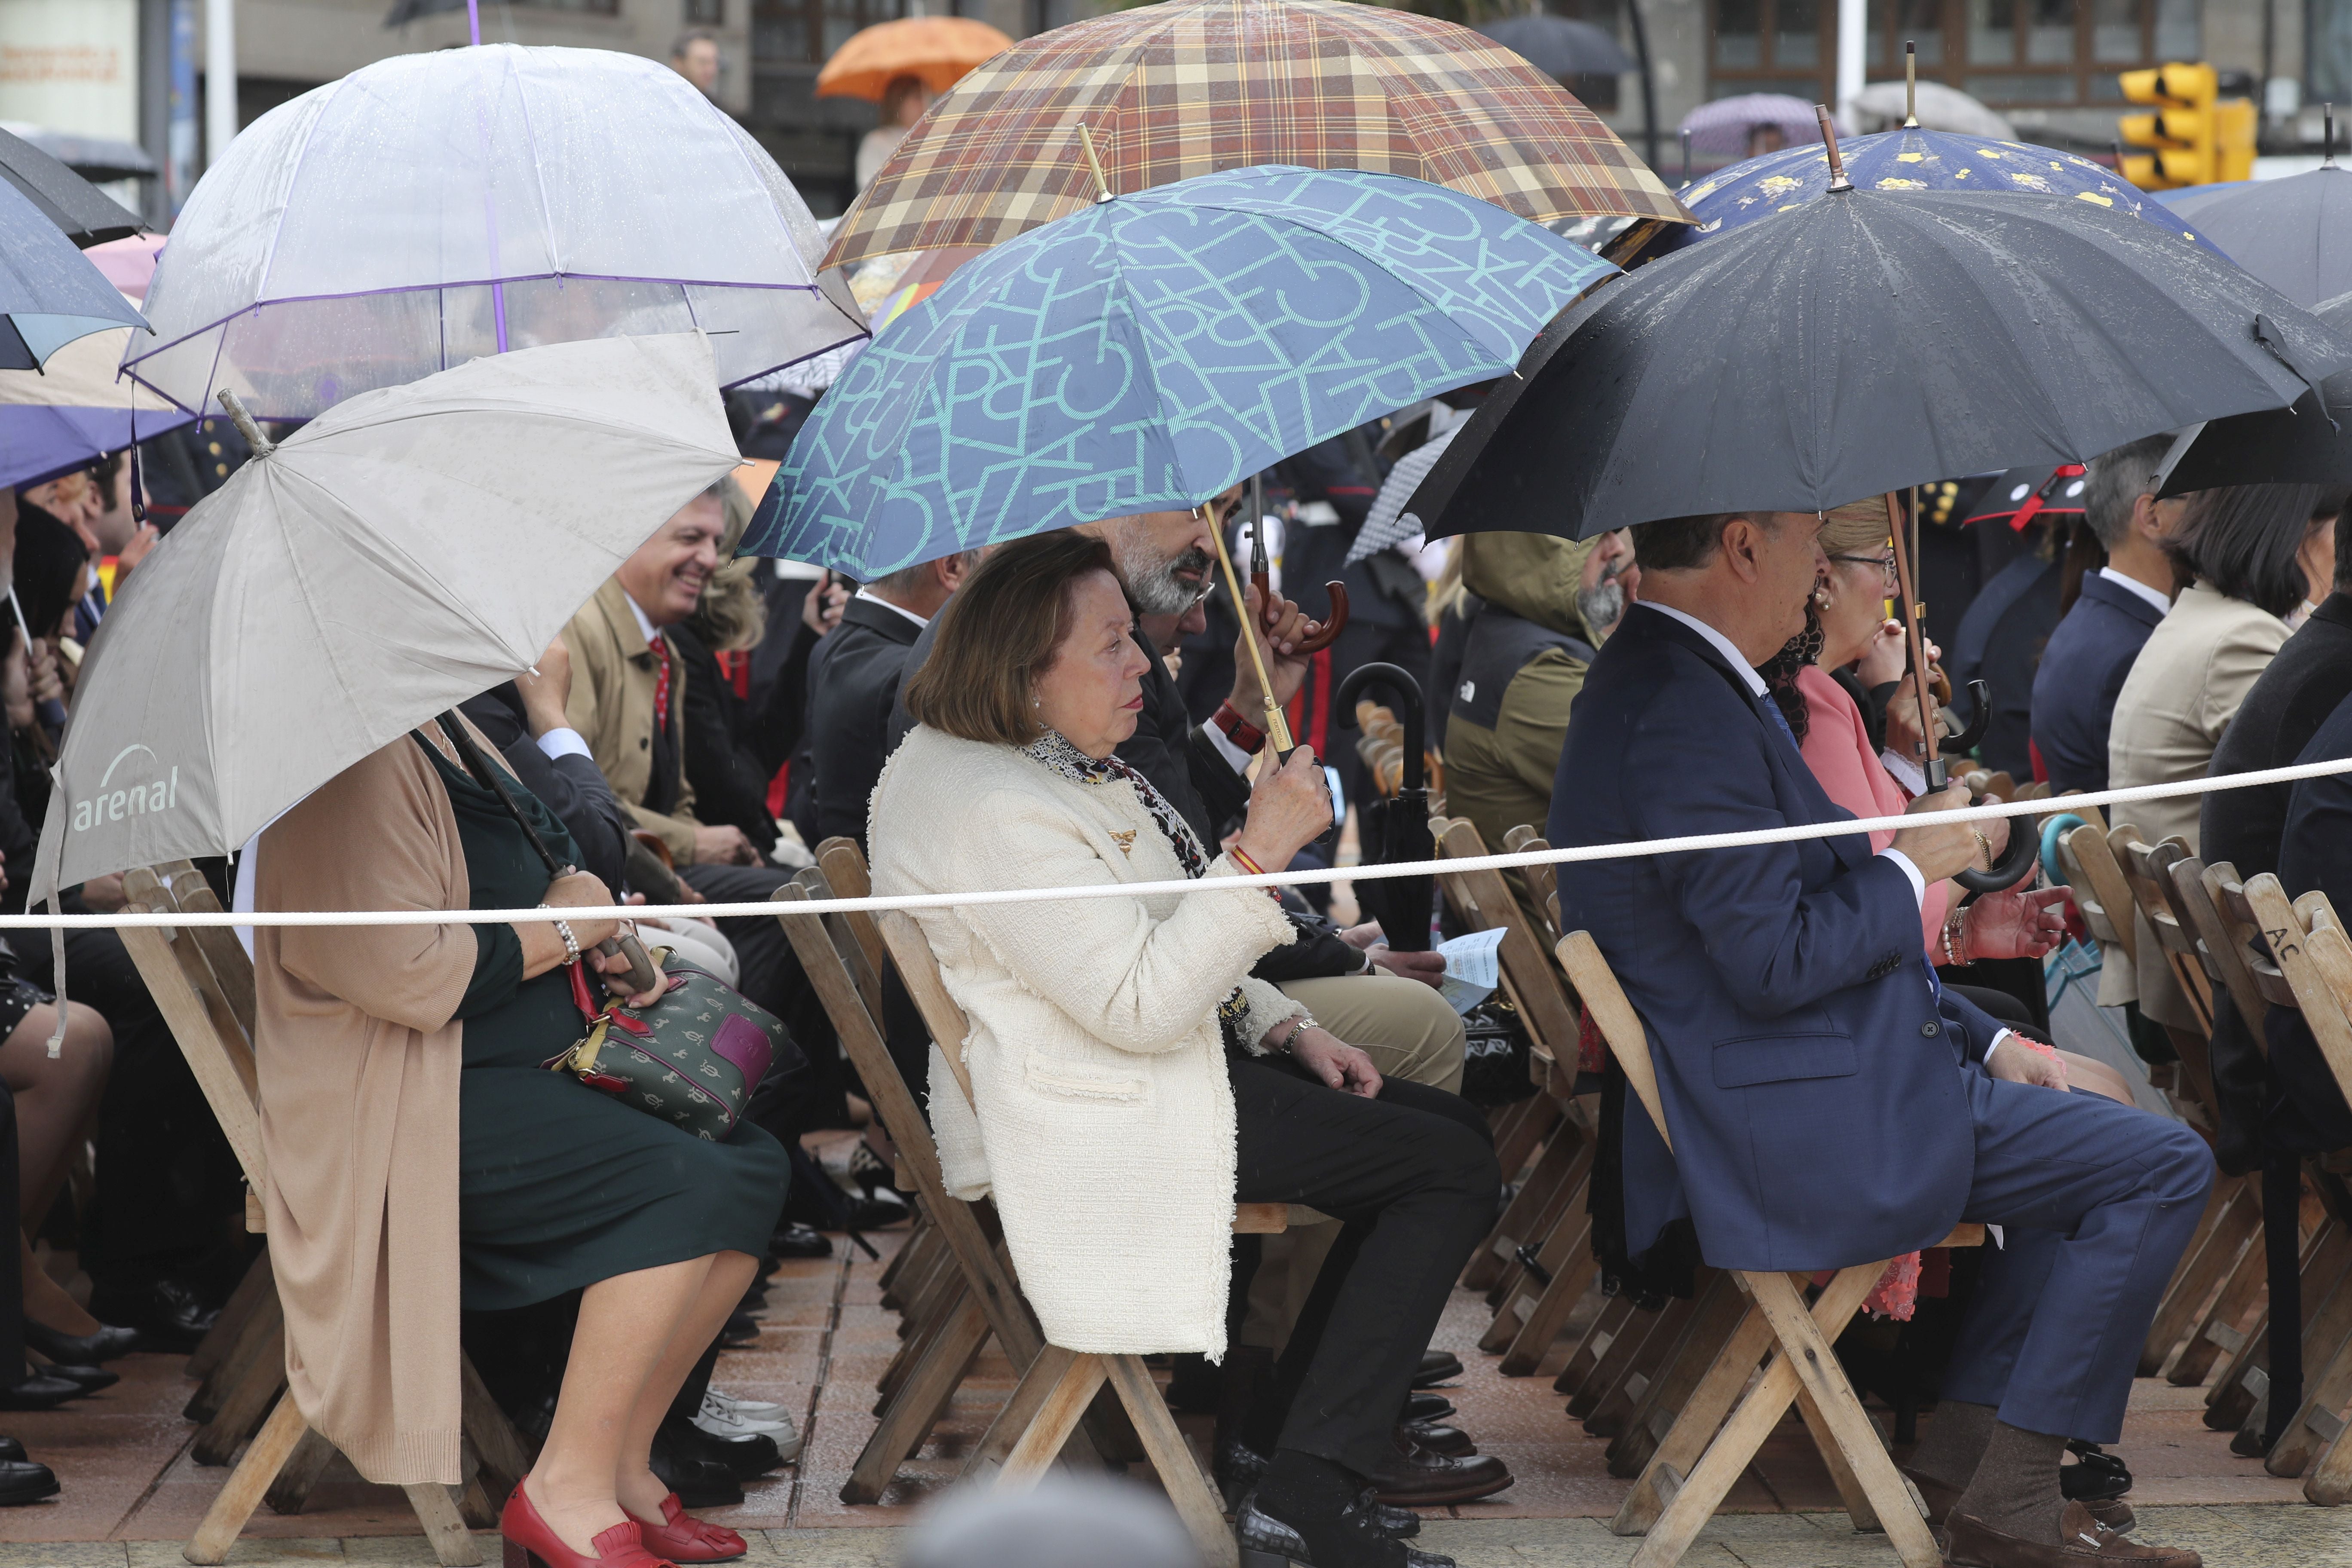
(406, 549)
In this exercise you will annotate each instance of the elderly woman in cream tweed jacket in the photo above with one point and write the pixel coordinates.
(1129, 1081)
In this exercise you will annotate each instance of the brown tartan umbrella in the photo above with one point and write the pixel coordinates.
(1191, 87)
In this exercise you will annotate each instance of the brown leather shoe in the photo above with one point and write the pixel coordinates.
(1412, 1476)
(2113, 1512)
(1938, 1497)
(1969, 1544)
(1437, 1439)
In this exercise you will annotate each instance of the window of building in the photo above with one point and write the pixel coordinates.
(806, 32)
(2009, 53)
(706, 12)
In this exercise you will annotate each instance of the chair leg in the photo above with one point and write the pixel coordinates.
(2331, 1480)
(1572, 1274)
(2238, 1218)
(2217, 1331)
(256, 1339)
(290, 1492)
(1582, 1379)
(1060, 1407)
(907, 1417)
(1196, 1500)
(503, 1457)
(235, 1314)
(1637, 1371)
(224, 1521)
(436, 1510)
(2327, 1389)
(1721, 1307)
(261, 1378)
(917, 1345)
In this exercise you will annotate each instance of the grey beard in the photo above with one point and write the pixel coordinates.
(1601, 606)
(1155, 589)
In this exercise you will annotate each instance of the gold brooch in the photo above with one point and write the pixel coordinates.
(1125, 838)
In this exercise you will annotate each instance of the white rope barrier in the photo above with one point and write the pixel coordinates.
(2054, 806)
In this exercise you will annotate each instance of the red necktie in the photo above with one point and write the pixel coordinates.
(661, 682)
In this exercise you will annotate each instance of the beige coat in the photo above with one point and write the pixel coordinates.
(1104, 1123)
(2185, 687)
(359, 1059)
(612, 706)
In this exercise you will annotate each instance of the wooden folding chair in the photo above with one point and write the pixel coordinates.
(1057, 1385)
(202, 982)
(1719, 1429)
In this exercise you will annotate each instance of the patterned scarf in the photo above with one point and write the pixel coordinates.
(1055, 752)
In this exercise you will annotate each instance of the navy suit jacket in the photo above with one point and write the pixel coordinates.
(2081, 673)
(1809, 1073)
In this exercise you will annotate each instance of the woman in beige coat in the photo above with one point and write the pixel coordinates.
(1129, 1082)
(2253, 555)
(420, 1160)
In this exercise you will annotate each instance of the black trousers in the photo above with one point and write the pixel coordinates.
(1411, 1176)
(12, 1272)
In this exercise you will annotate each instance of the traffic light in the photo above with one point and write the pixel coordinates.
(2235, 122)
(2180, 135)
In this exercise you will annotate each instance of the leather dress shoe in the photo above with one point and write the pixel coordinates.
(1439, 1439)
(1437, 1366)
(700, 1480)
(742, 1330)
(1267, 1541)
(1411, 1477)
(42, 1391)
(798, 1241)
(81, 1350)
(12, 1450)
(88, 1379)
(745, 1458)
(23, 1481)
(2085, 1543)
(168, 1314)
(1426, 1407)
(2113, 1512)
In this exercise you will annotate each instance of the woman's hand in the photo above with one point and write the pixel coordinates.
(1290, 807)
(1339, 1064)
(545, 693)
(16, 683)
(1884, 659)
(821, 611)
(42, 665)
(2015, 924)
(583, 890)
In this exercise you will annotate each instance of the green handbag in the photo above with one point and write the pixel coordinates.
(692, 1056)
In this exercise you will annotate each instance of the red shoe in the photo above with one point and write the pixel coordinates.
(530, 1543)
(682, 1538)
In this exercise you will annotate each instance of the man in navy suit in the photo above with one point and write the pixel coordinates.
(2083, 667)
(1829, 1103)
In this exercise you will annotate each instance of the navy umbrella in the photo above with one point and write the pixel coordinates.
(1864, 343)
(86, 215)
(50, 294)
(2294, 233)
(2308, 444)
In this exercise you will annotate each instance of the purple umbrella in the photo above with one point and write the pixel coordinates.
(1723, 127)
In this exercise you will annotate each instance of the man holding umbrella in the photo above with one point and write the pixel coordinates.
(1829, 1103)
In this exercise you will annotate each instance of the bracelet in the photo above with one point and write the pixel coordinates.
(1305, 1022)
(1954, 925)
(1984, 844)
(571, 943)
(1255, 870)
(1236, 729)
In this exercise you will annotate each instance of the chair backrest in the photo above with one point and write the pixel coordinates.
(2146, 868)
(2308, 941)
(1483, 900)
(202, 983)
(1613, 1016)
(2100, 891)
(1543, 881)
(2229, 892)
(2221, 939)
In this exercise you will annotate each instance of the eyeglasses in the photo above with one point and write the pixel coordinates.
(1885, 564)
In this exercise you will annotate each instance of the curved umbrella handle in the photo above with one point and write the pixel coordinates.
(1325, 634)
(2017, 863)
(1980, 714)
(1401, 688)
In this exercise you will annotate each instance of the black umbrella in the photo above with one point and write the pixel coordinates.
(2309, 444)
(1395, 832)
(1558, 47)
(88, 215)
(1864, 343)
(2294, 233)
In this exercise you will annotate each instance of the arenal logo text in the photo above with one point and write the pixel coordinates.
(139, 799)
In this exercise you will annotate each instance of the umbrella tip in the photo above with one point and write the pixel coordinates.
(2328, 136)
(1838, 181)
(1087, 141)
(1910, 85)
(262, 445)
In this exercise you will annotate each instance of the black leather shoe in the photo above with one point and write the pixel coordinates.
(1449, 1440)
(88, 1379)
(1352, 1540)
(40, 1391)
(798, 1241)
(10, 1450)
(742, 1329)
(744, 1458)
(699, 1482)
(1426, 1407)
(1396, 1523)
(23, 1481)
(1437, 1366)
(81, 1350)
(1412, 1476)
(168, 1314)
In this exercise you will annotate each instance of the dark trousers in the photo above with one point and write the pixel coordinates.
(770, 974)
(2100, 1200)
(12, 1272)
(1413, 1176)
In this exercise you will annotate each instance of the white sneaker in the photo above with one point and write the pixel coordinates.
(754, 1409)
(715, 1420)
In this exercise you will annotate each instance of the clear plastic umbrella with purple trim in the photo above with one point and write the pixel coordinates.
(432, 208)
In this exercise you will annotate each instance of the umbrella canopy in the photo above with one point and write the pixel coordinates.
(1188, 86)
(937, 49)
(341, 588)
(48, 294)
(1147, 353)
(432, 207)
(1865, 342)
(128, 263)
(87, 215)
(1911, 161)
(1559, 46)
(2303, 444)
(1387, 523)
(2294, 233)
(1940, 108)
(1722, 127)
(74, 410)
(2022, 495)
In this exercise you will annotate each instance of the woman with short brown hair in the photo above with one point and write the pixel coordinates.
(1129, 1081)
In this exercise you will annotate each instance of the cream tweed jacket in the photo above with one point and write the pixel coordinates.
(1104, 1123)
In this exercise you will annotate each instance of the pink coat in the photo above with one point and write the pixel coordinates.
(1838, 748)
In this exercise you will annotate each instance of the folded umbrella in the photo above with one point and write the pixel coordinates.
(2309, 443)
(1863, 343)
(1189, 87)
(407, 550)
(49, 294)
(84, 213)
(433, 207)
(1147, 353)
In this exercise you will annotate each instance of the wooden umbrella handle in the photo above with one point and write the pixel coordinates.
(1932, 761)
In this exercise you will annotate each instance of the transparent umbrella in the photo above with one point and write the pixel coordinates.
(435, 207)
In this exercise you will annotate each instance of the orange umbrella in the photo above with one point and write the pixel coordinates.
(938, 49)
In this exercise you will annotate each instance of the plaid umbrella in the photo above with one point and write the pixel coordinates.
(1192, 87)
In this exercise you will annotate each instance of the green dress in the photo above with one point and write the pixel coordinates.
(560, 1185)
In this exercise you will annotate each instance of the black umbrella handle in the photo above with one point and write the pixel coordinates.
(1406, 692)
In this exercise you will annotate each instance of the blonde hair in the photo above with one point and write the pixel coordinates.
(731, 615)
(1856, 527)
